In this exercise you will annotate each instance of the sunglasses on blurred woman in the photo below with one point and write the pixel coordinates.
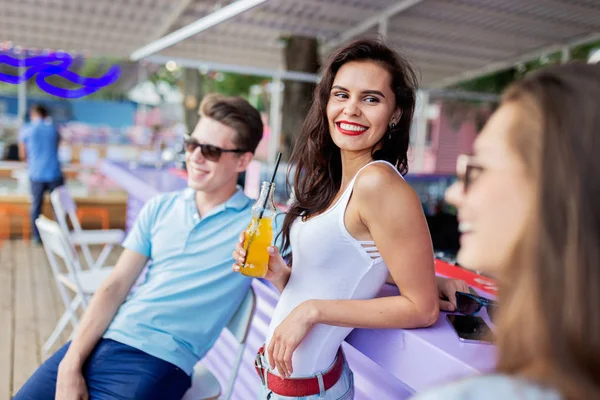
(467, 170)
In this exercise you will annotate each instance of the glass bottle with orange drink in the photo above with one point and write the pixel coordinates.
(259, 234)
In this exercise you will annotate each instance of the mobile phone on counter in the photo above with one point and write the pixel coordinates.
(471, 329)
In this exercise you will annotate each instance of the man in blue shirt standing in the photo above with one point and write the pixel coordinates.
(145, 346)
(38, 143)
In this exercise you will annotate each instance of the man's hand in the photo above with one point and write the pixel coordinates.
(70, 384)
(447, 289)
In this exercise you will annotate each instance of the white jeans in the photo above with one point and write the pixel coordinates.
(342, 390)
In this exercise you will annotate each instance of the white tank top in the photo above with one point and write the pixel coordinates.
(329, 264)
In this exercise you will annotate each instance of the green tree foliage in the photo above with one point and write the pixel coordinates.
(231, 84)
(497, 81)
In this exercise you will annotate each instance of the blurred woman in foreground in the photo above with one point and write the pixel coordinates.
(529, 213)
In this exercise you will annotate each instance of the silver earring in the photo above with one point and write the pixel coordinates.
(392, 126)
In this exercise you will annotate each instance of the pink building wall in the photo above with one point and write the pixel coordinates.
(450, 134)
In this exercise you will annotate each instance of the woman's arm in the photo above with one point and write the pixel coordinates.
(447, 288)
(397, 225)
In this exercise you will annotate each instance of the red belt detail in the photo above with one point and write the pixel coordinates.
(298, 387)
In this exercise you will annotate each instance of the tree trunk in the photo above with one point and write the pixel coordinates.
(301, 55)
(192, 94)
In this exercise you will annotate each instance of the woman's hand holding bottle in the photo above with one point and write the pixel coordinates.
(279, 271)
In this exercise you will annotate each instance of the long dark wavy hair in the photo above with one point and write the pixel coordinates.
(316, 158)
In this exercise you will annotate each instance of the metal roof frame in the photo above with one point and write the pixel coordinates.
(446, 40)
(238, 69)
(494, 67)
(202, 24)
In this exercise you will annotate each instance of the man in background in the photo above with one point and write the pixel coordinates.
(38, 144)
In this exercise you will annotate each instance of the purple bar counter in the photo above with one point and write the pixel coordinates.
(141, 184)
(388, 363)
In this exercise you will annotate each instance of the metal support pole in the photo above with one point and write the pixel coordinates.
(275, 117)
(383, 27)
(594, 57)
(565, 55)
(200, 25)
(22, 92)
(141, 78)
(420, 130)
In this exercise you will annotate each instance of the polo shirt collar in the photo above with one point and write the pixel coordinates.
(238, 201)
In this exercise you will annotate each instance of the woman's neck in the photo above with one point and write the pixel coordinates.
(352, 162)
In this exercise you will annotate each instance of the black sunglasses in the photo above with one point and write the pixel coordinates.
(470, 304)
(467, 170)
(210, 152)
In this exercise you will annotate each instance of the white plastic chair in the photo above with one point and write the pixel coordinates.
(205, 385)
(82, 284)
(64, 207)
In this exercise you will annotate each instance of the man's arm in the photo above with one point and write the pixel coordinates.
(22, 152)
(105, 303)
(24, 133)
(102, 309)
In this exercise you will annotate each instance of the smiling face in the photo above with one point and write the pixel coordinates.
(361, 106)
(495, 208)
(214, 176)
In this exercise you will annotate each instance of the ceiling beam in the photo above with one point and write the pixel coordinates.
(171, 19)
(371, 22)
(238, 69)
(194, 28)
(498, 66)
(204, 50)
(432, 28)
(283, 24)
(439, 46)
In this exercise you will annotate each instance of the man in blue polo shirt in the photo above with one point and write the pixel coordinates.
(38, 143)
(145, 346)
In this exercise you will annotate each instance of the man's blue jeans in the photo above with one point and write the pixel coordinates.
(113, 371)
(37, 198)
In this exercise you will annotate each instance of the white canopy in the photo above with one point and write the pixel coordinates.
(448, 40)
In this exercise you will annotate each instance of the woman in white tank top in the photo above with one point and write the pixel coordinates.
(354, 221)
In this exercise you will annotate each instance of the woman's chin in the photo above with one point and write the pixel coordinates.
(466, 259)
(478, 262)
(352, 144)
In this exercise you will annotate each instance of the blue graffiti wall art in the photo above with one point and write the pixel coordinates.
(44, 66)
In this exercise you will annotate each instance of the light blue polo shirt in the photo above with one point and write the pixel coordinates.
(190, 291)
(41, 144)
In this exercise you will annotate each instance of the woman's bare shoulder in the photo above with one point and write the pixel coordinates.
(381, 180)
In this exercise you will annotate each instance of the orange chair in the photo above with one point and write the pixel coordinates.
(6, 212)
(95, 212)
